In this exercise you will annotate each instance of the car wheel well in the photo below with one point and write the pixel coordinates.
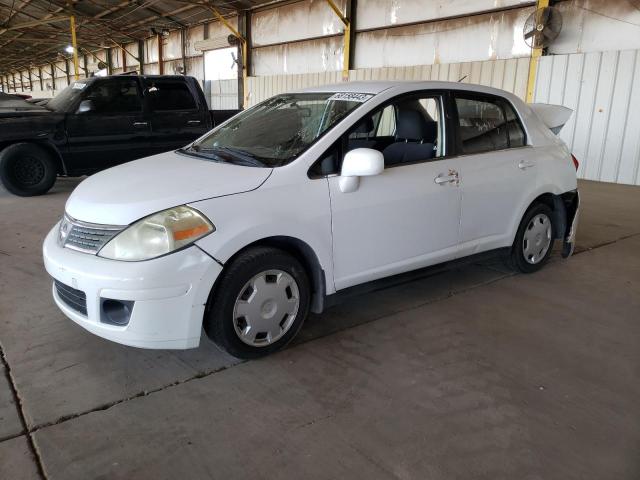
(305, 255)
(53, 151)
(557, 205)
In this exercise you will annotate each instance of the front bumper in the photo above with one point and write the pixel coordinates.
(168, 293)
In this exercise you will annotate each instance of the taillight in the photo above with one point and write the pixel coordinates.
(576, 163)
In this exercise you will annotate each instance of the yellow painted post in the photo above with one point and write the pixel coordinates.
(245, 75)
(347, 39)
(74, 44)
(243, 41)
(536, 53)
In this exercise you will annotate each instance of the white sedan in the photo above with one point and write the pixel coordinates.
(309, 193)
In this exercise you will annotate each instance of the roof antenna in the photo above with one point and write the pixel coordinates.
(463, 78)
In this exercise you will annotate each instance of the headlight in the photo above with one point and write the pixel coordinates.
(158, 234)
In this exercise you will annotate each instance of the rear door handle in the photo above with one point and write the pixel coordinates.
(443, 179)
(140, 124)
(194, 122)
(523, 165)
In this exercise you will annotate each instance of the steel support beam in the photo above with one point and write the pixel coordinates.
(74, 45)
(244, 53)
(141, 55)
(108, 62)
(536, 53)
(346, 53)
(160, 54)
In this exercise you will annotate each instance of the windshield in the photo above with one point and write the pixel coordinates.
(63, 101)
(275, 132)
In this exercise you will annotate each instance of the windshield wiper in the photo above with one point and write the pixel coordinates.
(245, 157)
(196, 151)
(237, 157)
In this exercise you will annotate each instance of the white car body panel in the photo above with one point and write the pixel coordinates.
(394, 222)
(375, 232)
(170, 293)
(128, 192)
(244, 219)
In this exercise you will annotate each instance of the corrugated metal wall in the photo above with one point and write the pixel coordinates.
(510, 75)
(603, 89)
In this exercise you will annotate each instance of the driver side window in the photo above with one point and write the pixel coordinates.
(114, 96)
(408, 130)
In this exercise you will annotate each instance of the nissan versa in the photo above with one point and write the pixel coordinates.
(250, 227)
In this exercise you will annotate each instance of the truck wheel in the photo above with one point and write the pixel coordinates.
(259, 304)
(27, 169)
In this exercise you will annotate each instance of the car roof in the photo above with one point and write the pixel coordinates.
(377, 87)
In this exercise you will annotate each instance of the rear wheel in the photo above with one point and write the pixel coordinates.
(260, 303)
(27, 169)
(534, 240)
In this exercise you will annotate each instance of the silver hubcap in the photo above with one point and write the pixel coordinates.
(537, 238)
(266, 308)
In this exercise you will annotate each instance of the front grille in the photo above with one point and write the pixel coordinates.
(75, 299)
(86, 237)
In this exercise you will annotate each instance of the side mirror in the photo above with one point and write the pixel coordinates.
(361, 162)
(85, 106)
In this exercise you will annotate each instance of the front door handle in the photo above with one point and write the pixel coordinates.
(140, 124)
(194, 122)
(443, 179)
(523, 165)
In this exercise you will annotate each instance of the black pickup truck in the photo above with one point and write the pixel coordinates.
(97, 123)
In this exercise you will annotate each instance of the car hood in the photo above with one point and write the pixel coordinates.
(128, 192)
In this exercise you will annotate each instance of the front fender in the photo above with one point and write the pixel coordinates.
(301, 212)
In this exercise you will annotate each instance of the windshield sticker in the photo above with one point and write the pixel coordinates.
(78, 86)
(351, 97)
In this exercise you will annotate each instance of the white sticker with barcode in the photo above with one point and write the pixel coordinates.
(351, 97)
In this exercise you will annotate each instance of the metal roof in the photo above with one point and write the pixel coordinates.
(34, 32)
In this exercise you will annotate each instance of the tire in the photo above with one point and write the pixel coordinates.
(249, 315)
(534, 240)
(27, 169)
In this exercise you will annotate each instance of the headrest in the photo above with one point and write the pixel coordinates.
(411, 125)
(432, 132)
(365, 126)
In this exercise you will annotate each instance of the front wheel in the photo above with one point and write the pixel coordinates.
(260, 303)
(27, 169)
(534, 240)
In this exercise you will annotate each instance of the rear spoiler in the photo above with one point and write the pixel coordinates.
(553, 116)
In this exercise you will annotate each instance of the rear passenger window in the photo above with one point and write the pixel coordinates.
(482, 125)
(517, 137)
(166, 95)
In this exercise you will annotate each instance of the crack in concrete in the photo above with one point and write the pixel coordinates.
(605, 244)
(29, 431)
(20, 410)
(144, 393)
(208, 373)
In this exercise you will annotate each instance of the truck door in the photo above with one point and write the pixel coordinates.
(176, 116)
(108, 126)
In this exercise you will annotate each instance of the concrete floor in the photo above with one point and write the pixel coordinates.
(471, 373)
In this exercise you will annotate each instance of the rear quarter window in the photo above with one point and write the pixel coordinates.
(166, 95)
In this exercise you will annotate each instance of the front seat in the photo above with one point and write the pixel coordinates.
(415, 139)
(366, 127)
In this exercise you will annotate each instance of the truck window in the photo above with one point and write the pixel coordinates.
(166, 95)
(114, 96)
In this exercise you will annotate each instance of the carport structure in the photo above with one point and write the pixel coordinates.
(37, 35)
